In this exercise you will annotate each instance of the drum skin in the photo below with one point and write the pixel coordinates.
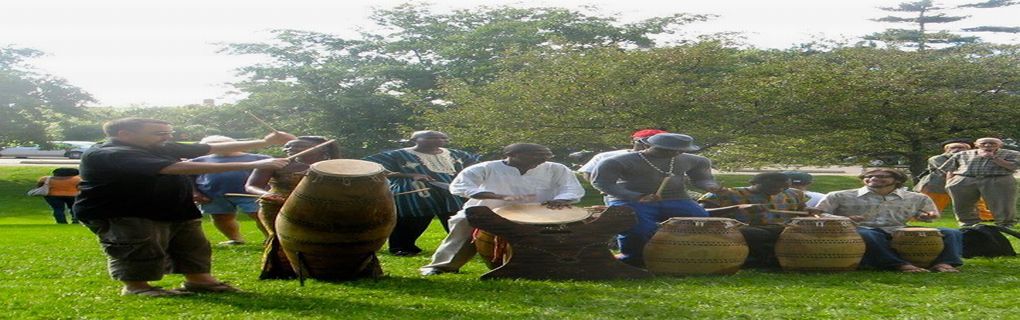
(919, 246)
(335, 220)
(820, 244)
(691, 246)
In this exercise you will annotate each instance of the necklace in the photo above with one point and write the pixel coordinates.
(669, 173)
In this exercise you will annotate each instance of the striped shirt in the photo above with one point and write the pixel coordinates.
(789, 199)
(969, 163)
(888, 212)
(437, 200)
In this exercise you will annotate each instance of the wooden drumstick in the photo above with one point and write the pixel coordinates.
(245, 195)
(412, 191)
(795, 213)
(310, 149)
(263, 122)
(662, 186)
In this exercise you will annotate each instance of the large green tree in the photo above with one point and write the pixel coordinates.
(367, 90)
(29, 100)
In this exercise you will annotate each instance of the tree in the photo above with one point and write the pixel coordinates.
(28, 99)
(924, 12)
(367, 91)
(989, 5)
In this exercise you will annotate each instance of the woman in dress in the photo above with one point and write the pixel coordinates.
(274, 186)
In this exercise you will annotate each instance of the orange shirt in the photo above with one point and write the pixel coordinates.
(63, 187)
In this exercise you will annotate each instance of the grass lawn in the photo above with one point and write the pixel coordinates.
(58, 271)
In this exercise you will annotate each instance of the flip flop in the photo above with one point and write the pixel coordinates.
(153, 292)
(218, 287)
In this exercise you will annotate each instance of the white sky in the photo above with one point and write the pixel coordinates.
(146, 52)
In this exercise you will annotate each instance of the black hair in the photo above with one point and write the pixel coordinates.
(769, 177)
(332, 151)
(900, 177)
(523, 148)
(65, 172)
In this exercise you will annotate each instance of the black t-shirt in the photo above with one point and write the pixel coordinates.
(121, 180)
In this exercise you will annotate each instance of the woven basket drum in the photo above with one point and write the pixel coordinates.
(340, 214)
(919, 246)
(691, 246)
(820, 244)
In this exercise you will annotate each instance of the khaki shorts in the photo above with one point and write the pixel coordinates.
(140, 249)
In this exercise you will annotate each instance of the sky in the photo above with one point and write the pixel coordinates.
(164, 53)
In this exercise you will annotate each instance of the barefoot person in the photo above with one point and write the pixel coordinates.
(137, 198)
(211, 187)
(881, 207)
(275, 185)
(651, 182)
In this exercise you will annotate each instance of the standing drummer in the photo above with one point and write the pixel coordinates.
(880, 208)
(426, 165)
(137, 198)
(652, 183)
(524, 176)
(636, 145)
(769, 190)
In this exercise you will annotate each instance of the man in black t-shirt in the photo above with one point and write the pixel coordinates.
(136, 197)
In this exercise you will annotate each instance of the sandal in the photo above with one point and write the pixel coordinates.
(216, 287)
(152, 292)
(909, 268)
(942, 267)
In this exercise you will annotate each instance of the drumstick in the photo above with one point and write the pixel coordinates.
(412, 191)
(662, 186)
(246, 195)
(796, 213)
(310, 149)
(263, 122)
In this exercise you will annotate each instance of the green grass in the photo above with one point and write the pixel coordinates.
(53, 271)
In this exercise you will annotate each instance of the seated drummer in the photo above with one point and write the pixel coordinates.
(524, 176)
(770, 190)
(881, 207)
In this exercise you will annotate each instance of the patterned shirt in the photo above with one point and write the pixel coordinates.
(888, 212)
(935, 182)
(790, 200)
(969, 163)
(437, 200)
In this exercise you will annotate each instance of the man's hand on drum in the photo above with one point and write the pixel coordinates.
(270, 164)
(557, 204)
(279, 137)
(650, 198)
(927, 216)
(273, 198)
(814, 211)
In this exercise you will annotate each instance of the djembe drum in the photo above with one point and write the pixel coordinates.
(336, 219)
(820, 244)
(919, 246)
(686, 246)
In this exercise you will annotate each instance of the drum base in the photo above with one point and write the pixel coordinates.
(575, 251)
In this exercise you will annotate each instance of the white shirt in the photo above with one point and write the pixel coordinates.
(813, 198)
(589, 166)
(547, 181)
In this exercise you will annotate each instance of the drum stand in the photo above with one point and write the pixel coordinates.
(575, 251)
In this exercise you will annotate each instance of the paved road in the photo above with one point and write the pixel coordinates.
(38, 162)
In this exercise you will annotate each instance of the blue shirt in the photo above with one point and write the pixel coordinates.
(216, 184)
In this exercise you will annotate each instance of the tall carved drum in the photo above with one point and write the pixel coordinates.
(685, 246)
(919, 246)
(820, 244)
(336, 219)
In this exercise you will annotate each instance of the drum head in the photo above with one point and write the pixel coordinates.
(347, 168)
(535, 213)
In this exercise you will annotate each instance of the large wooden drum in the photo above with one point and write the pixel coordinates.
(494, 252)
(686, 246)
(919, 246)
(338, 216)
(820, 244)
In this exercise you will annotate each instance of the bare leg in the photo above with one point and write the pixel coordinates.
(227, 224)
